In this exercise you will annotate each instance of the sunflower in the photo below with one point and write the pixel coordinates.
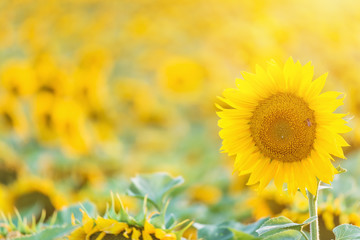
(51, 76)
(70, 125)
(182, 79)
(280, 127)
(205, 193)
(42, 115)
(269, 203)
(333, 213)
(102, 229)
(12, 116)
(119, 225)
(18, 78)
(32, 192)
(11, 165)
(5, 205)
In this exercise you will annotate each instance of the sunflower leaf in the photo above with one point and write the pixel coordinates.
(347, 232)
(50, 233)
(214, 232)
(64, 215)
(280, 224)
(230, 230)
(238, 235)
(170, 221)
(156, 186)
(285, 235)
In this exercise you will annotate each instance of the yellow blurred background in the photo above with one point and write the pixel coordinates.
(93, 92)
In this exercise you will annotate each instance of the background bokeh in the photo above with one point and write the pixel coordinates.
(94, 92)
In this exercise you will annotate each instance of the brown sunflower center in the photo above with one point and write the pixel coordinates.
(7, 175)
(35, 198)
(283, 127)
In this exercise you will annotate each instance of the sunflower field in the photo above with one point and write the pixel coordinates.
(179, 120)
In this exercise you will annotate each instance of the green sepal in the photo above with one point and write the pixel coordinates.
(340, 170)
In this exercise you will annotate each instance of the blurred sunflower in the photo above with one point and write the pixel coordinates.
(269, 204)
(11, 165)
(182, 79)
(18, 78)
(205, 193)
(43, 105)
(280, 127)
(69, 122)
(12, 116)
(50, 76)
(31, 193)
(138, 98)
(5, 204)
(93, 58)
(90, 87)
(331, 215)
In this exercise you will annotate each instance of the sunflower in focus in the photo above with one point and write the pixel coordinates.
(280, 127)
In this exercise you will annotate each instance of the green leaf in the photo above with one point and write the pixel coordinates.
(279, 224)
(64, 216)
(170, 221)
(251, 228)
(286, 235)
(51, 233)
(156, 186)
(347, 232)
(238, 235)
(214, 232)
(229, 230)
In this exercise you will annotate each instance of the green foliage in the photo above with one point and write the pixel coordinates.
(214, 232)
(237, 235)
(58, 226)
(50, 233)
(277, 225)
(156, 187)
(347, 232)
(64, 216)
(229, 230)
(285, 235)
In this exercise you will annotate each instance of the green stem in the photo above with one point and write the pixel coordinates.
(304, 235)
(314, 226)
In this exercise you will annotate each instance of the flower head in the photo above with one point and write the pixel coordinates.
(280, 127)
(120, 225)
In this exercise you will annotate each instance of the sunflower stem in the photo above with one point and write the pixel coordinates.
(314, 226)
